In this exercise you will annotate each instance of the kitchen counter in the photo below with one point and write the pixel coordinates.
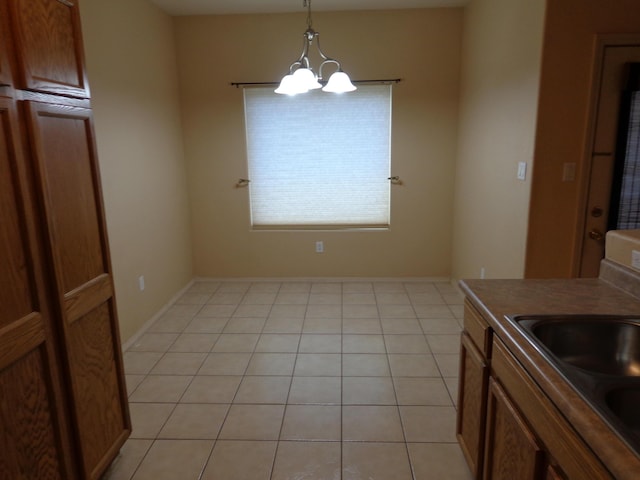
(496, 298)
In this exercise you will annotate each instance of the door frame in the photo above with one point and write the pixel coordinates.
(601, 42)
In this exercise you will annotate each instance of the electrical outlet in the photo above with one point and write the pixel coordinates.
(319, 247)
(141, 283)
(482, 273)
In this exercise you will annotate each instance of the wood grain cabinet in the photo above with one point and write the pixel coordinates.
(48, 47)
(507, 427)
(63, 402)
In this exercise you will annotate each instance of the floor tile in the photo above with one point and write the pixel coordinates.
(358, 299)
(448, 363)
(371, 423)
(311, 422)
(361, 326)
(322, 325)
(171, 459)
(170, 324)
(400, 326)
(440, 326)
(318, 364)
(194, 421)
(225, 364)
(368, 391)
(147, 419)
(320, 343)
(444, 343)
(253, 422)
(154, 342)
(212, 389)
(127, 461)
(206, 325)
(435, 461)
(278, 343)
(415, 343)
(363, 344)
(236, 342)
(252, 311)
(375, 461)
(271, 390)
(413, 365)
(161, 389)
(271, 364)
(240, 460)
(193, 298)
(315, 390)
(283, 325)
(365, 365)
(244, 325)
(273, 380)
(308, 461)
(429, 424)
(179, 364)
(194, 342)
(421, 391)
(140, 363)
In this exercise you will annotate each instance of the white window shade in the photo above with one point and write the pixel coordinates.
(318, 159)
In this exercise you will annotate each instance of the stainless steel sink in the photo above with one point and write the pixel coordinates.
(624, 402)
(604, 345)
(600, 357)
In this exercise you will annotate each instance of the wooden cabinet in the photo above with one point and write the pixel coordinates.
(63, 403)
(507, 427)
(34, 439)
(472, 400)
(511, 449)
(48, 47)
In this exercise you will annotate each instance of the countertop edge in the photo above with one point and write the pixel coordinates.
(497, 298)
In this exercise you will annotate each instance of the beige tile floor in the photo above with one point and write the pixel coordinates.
(297, 380)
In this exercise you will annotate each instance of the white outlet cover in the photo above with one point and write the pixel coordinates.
(635, 259)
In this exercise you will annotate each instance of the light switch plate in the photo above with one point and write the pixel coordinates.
(522, 170)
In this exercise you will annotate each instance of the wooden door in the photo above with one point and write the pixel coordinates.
(48, 44)
(34, 438)
(472, 401)
(612, 76)
(62, 143)
(511, 449)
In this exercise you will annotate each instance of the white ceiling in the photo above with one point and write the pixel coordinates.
(226, 7)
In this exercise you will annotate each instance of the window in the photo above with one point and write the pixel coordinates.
(319, 160)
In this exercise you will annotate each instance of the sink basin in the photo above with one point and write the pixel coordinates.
(600, 357)
(623, 403)
(602, 345)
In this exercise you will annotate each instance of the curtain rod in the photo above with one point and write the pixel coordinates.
(267, 84)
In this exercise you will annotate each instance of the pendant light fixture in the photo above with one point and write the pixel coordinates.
(301, 77)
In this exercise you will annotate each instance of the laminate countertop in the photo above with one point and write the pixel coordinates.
(496, 298)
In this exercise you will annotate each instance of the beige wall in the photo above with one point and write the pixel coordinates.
(131, 62)
(502, 46)
(556, 207)
(420, 46)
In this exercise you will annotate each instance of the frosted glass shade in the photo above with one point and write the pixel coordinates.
(305, 77)
(339, 82)
(289, 86)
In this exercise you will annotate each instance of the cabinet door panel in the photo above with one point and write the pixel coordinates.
(511, 449)
(5, 46)
(48, 43)
(34, 442)
(472, 395)
(63, 145)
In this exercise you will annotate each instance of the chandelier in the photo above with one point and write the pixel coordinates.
(301, 77)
